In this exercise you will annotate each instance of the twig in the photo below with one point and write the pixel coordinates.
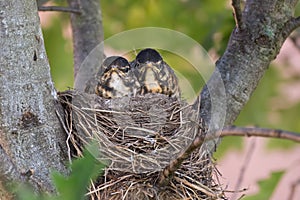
(290, 26)
(169, 170)
(175, 164)
(68, 133)
(260, 132)
(295, 39)
(241, 197)
(293, 189)
(244, 168)
(237, 12)
(90, 21)
(235, 191)
(59, 9)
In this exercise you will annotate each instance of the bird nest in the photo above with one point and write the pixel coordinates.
(138, 137)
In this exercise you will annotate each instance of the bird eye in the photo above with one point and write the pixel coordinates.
(136, 65)
(125, 69)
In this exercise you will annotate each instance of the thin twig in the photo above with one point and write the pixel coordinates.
(175, 164)
(295, 38)
(59, 9)
(290, 26)
(293, 189)
(68, 133)
(169, 170)
(241, 197)
(243, 169)
(235, 191)
(237, 12)
(260, 132)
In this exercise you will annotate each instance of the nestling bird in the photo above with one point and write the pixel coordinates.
(116, 79)
(155, 75)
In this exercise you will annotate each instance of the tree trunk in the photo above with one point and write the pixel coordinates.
(254, 43)
(31, 137)
(87, 36)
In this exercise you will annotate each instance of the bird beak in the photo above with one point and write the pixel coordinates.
(114, 68)
(150, 65)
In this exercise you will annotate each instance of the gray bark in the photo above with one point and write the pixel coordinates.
(87, 35)
(265, 26)
(31, 138)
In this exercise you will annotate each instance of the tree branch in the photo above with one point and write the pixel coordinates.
(293, 189)
(59, 9)
(199, 140)
(237, 12)
(243, 169)
(294, 40)
(87, 34)
(260, 132)
(175, 164)
(244, 62)
(290, 26)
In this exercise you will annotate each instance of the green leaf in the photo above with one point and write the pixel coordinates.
(74, 187)
(228, 144)
(266, 187)
(24, 192)
(59, 53)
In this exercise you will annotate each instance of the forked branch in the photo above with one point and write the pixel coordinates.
(290, 26)
(237, 12)
(175, 164)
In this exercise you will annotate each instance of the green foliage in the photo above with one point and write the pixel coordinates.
(228, 143)
(259, 110)
(26, 193)
(280, 144)
(59, 52)
(193, 18)
(266, 187)
(74, 186)
(83, 170)
(297, 10)
(209, 22)
(254, 113)
(289, 120)
(198, 19)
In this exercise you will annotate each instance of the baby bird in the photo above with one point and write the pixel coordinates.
(154, 75)
(116, 79)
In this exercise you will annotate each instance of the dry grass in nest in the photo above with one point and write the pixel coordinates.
(138, 137)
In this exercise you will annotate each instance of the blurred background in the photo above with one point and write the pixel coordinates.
(274, 104)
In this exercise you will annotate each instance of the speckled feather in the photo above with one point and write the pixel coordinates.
(117, 79)
(155, 75)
